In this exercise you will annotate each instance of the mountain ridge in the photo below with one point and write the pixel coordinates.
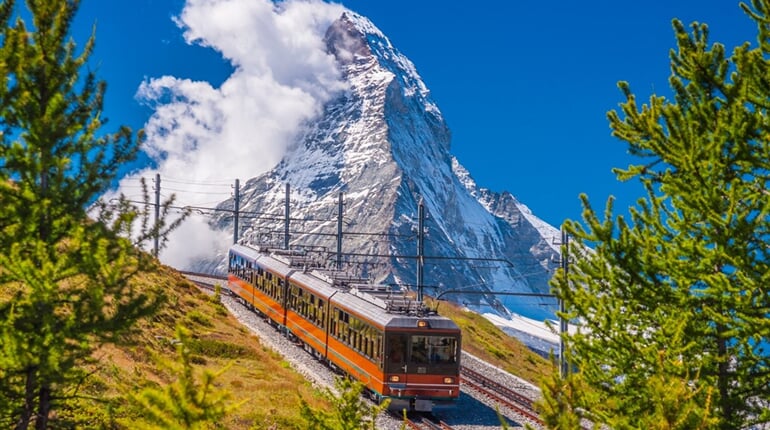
(383, 144)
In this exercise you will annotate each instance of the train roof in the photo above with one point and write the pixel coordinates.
(376, 303)
(245, 251)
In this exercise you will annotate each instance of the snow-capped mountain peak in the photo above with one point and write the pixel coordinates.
(384, 145)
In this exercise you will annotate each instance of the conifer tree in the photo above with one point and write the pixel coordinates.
(190, 402)
(672, 305)
(349, 412)
(65, 279)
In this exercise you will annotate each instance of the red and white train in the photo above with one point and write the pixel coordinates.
(393, 345)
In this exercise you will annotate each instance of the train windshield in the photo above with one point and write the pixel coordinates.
(433, 349)
(415, 353)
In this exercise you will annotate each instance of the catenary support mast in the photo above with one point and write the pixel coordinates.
(237, 204)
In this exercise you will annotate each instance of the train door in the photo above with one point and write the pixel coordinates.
(396, 356)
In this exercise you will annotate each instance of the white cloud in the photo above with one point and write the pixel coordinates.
(194, 240)
(282, 76)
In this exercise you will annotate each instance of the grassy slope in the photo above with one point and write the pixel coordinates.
(269, 389)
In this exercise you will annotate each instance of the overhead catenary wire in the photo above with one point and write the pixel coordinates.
(196, 192)
(204, 183)
(231, 209)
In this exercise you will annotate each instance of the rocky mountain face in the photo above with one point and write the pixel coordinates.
(384, 146)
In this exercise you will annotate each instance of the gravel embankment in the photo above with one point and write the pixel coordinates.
(473, 412)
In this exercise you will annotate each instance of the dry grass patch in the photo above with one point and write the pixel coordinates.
(268, 390)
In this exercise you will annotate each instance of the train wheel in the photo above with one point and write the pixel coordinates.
(376, 398)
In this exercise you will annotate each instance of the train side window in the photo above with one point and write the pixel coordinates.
(318, 312)
(295, 297)
(363, 340)
(358, 326)
(333, 322)
(313, 310)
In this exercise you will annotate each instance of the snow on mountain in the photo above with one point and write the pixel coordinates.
(383, 144)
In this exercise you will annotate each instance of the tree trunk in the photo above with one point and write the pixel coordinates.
(723, 380)
(29, 400)
(44, 407)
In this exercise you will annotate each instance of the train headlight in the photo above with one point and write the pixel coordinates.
(394, 378)
(449, 380)
(423, 324)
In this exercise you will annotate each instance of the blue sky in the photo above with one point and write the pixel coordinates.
(524, 86)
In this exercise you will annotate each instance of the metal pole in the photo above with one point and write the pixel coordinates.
(562, 320)
(339, 234)
(420, 247)
(286, 222)
(237, 204)
(157, 215)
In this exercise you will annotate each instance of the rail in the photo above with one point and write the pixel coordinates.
(503, 395)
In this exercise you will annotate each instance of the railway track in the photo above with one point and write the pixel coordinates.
(205, 280)
(500, 394)
(422, 422)
(496, 392)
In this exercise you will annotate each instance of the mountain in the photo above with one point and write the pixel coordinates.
(383, 144)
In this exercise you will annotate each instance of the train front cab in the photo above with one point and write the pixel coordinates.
(422, 369)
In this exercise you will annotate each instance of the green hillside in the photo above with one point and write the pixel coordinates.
(264, 385)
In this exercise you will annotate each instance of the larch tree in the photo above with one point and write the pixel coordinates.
(672, 304)
(349, 410)
(65, 279)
